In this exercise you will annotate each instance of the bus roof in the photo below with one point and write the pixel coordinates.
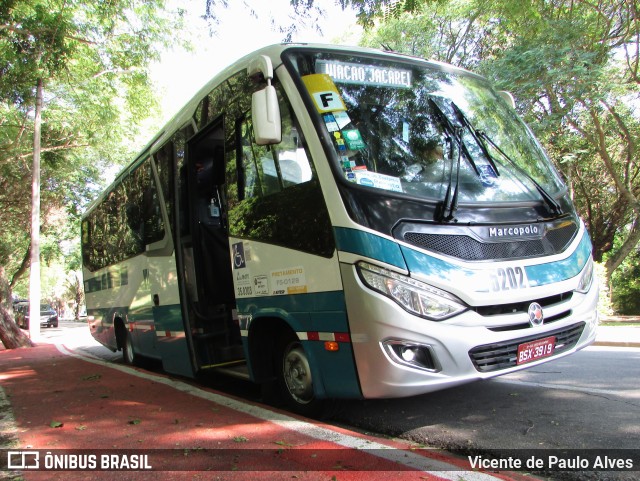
(274, 52)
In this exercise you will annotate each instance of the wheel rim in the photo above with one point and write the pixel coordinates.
(297, 374)
(129, 350)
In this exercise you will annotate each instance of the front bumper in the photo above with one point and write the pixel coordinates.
(466, 348)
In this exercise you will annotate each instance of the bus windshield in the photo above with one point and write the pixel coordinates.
(425, 130)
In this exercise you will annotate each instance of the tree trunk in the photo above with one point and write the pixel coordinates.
(24, 266)
(79, 297)
(11, 335)
(627, 247)
(34, 277)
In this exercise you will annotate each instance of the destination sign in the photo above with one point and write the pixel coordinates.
(360, 74)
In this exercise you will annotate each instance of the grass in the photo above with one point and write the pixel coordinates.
(620, 323)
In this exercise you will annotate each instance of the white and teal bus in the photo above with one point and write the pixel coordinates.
(344, 223)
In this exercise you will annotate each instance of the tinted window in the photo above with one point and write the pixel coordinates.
(273, 192)
(126, 220)
(164, 163)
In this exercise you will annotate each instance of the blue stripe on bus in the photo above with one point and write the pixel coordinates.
(557, 271)
(538, 275)
(173, 351)
(311, 312)
(168, 318)
(434, 268)
(369, 245)
(304, 312)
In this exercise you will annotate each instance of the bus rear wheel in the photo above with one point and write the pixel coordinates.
(295, 379)
(128, 353)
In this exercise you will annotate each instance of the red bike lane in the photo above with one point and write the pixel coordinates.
(83, 418)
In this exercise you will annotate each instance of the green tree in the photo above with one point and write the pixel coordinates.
(91, 58)
(627, 279)
(307, 12)
(574, 69)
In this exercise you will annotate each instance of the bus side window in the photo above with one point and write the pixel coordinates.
(294, 163)
(273, 168)
(252, 180)
(164, 162)
(144, 205)
(181, 198)
(278, 198)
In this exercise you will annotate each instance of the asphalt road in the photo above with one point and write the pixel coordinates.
(590, 400)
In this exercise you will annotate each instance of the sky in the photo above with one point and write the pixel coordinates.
(179, 74)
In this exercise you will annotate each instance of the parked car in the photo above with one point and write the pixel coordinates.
(48, 316)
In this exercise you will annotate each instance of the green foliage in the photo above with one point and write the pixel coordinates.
(92, 57)
(573, 68)
(626, 297)
(34, 35)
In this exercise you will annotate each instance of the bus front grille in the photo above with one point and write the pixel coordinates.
(468, 248)
(518, 311)
(503, 355)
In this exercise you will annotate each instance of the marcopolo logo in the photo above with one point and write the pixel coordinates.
(516, 231)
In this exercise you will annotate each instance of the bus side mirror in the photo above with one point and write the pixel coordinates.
(265, 115)
(265, 110)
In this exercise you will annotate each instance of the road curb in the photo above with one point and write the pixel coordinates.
(616, 344)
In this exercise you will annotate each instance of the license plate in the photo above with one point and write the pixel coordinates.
(534, 350)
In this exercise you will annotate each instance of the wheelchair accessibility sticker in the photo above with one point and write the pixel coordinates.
(239, 261)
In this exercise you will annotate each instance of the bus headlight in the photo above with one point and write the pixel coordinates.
(586, 278)
(416, 297)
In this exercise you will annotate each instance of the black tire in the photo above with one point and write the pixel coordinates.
(128, 352)
(295, 381)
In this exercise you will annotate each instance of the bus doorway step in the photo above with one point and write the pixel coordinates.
(238, 370)
(214, 354)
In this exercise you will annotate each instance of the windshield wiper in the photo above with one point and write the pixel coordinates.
(553, 204)
(481, 137)
(462, 118)
(454, 134)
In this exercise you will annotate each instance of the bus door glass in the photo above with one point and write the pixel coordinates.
(216, 337)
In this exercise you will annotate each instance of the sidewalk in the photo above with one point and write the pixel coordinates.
(179, 430)
(618, 336)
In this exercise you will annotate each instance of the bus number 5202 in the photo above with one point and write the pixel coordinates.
(509, 279)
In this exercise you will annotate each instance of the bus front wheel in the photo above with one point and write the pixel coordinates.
(295, 379)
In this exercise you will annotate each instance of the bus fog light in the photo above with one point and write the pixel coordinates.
(408, 353)
(417, 356)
